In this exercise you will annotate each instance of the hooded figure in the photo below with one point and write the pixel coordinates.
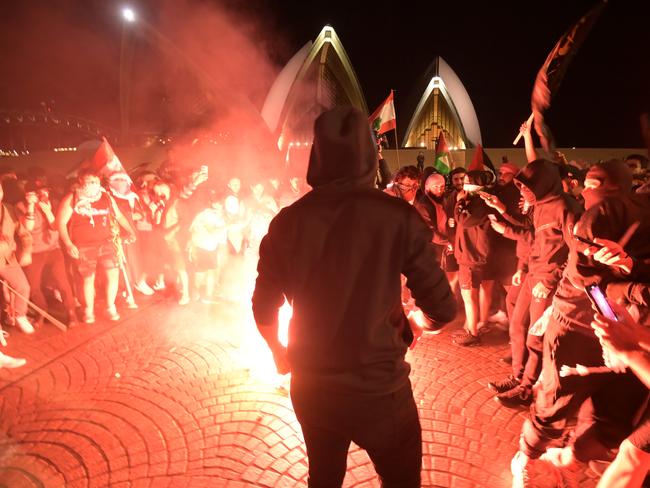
(569, 339)
(553, 216)
(337, 254)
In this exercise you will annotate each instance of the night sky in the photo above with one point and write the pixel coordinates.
(68, 51)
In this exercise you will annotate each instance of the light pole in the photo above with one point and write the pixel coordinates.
(126, 61)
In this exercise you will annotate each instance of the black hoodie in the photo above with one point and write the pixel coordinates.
(554, 215)
(337, 254)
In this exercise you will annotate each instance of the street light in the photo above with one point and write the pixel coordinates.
(126, 61)
(129, 14)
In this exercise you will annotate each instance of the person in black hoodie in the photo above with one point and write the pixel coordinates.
(554, 213)
(337, 255)
(473, 249)
(570, 341)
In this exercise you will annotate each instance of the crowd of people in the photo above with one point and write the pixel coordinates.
(519, 248)
(75, 247)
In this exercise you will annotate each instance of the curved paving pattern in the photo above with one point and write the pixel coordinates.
(175, 398)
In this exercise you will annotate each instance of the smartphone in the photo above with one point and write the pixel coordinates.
(598, 298)
(587, 241)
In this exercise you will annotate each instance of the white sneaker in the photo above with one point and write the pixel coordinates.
(112, 314)
(522, 471)
(184, 300)
(89, 317)
(144, 288)
(9, 362)
(498, 318)
(159, 285)
(24, 325)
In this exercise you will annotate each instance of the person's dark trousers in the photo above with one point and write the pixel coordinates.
(534, 348)
(386, 426)
(615, 398)
(526, 312)
(52, 265)
(511, 297)
(518, 329)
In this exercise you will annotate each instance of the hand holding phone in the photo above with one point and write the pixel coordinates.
(599, 300)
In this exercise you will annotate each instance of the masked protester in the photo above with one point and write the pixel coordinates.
(473, 249)
(47, 267)
(88, 220)
(15, 251)
(349, 333)
(611, 209)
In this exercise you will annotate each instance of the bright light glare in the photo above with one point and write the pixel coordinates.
(128, 14)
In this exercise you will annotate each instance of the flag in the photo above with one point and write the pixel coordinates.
(552, 71)
(443, 158)
(480, 160)
(105, 161)
(108, 165)
(383, 119)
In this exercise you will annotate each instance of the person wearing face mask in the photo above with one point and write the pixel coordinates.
(473, 249)
(611, 211)
(86, 222)
(554, 212)
(15, 251)
(47, 257)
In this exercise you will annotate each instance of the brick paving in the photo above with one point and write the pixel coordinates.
(172, 397)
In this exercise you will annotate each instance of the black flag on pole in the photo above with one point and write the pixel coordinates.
(551, 73)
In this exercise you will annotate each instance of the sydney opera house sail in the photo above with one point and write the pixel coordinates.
(444, 105)
(318, 77)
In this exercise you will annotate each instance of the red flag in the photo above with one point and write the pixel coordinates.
(107, 164)
(480, 160)
(383, 119)
(551, 73)
(105, 161)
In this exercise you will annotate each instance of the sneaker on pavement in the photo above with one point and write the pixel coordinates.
(24, 324)
(568, 470)
(467, 340)
(506, 384)
(89, 317)
(522, 470)
(184, 300)
(519, 396)
(159, 285)
(112, 314)
(144, 288)
(9, 362)
(498, 318)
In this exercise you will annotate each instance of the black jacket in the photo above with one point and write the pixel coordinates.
(554, 215)
(337, 254)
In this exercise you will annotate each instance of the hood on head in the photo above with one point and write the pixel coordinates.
(343, 152)
(542, 177)
(615, 178)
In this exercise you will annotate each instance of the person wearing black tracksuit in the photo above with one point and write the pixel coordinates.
(570, 341)
(554, 213)
(337, 255)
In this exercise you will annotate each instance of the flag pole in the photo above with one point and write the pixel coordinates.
(395, 129)
(529, 121)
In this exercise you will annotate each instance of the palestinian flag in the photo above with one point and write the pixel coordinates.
(552, 72)
(481, 160)
(443, 158)
(383, 119)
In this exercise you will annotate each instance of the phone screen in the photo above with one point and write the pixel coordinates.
(600, 301)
